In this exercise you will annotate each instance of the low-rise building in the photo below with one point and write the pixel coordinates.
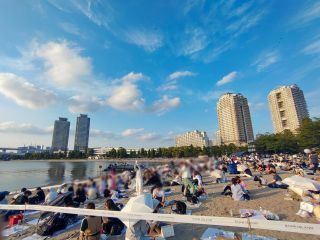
(195, 138)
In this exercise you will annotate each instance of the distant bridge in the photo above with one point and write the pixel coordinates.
(5, 149)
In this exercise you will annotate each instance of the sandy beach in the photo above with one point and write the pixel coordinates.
(219, 205)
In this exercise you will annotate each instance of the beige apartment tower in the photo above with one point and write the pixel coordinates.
(234, 118)
(194, 138)
(288, 108)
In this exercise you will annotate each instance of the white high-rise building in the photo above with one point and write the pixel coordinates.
(288, 108)
(194, 138)
(234, 118)
(60, 136)
(81, 140)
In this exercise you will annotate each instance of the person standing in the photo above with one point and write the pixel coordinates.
(314, 160)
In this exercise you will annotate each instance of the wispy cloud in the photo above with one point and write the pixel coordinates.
(149, 137)
(312, 48)
(230, 77)
(212, 95)
(218, 29)
(23, 128)
(171, 82)
(99, 12)
(257, 106)
(150, 41)
(180, 74)
(72, 29)
(84, 104)
(165, 104)
(130, 132)
(308, 14)
(196, 40)
(266, 59)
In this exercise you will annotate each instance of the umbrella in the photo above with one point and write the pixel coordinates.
(302, 183)
(139, 204)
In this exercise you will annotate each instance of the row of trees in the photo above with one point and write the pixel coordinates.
(308, 136)
(175, 152)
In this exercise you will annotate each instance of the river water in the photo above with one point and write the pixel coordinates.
(17, 174)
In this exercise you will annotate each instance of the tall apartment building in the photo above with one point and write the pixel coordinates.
(60, 136)
(288, 108)
(81, 139)
(194, 138)
(234, 118)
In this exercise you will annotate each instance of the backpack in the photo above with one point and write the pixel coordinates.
(53, 224)
(180, 207)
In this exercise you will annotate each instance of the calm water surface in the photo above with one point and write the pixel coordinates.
(17, 174)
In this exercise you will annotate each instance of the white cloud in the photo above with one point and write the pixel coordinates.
(149, 137)
(150, 41)
(180, 74)
(266, 59)
(84, 104)
(25, 93)
(313, 48)
(165, 104)
(126, 96)
(23, 128)
(132, 132)
(227, 79)
(65, 66)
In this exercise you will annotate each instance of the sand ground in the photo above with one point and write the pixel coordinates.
(218, 205)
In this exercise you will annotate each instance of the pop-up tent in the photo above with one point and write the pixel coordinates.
(302, 183)
(139, 204)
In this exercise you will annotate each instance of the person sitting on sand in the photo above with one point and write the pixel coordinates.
(38, 198)
(112, 226)
(158, 193)
(276, 181)
(92, 193)
(90, 226)
(238, 193)
(80, 194)
(262, 181)
(176, 179)
(20, 200)
(52, 194)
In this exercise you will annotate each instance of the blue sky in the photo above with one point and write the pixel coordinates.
(145, 71)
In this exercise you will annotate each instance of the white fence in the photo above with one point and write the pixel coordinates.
(305, 228)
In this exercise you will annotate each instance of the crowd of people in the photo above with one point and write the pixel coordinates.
(187, 174)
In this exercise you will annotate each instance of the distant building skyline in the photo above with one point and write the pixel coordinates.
(234, 119)
(81, 140)
(288, 108)
(60, 136)
(195, 138)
